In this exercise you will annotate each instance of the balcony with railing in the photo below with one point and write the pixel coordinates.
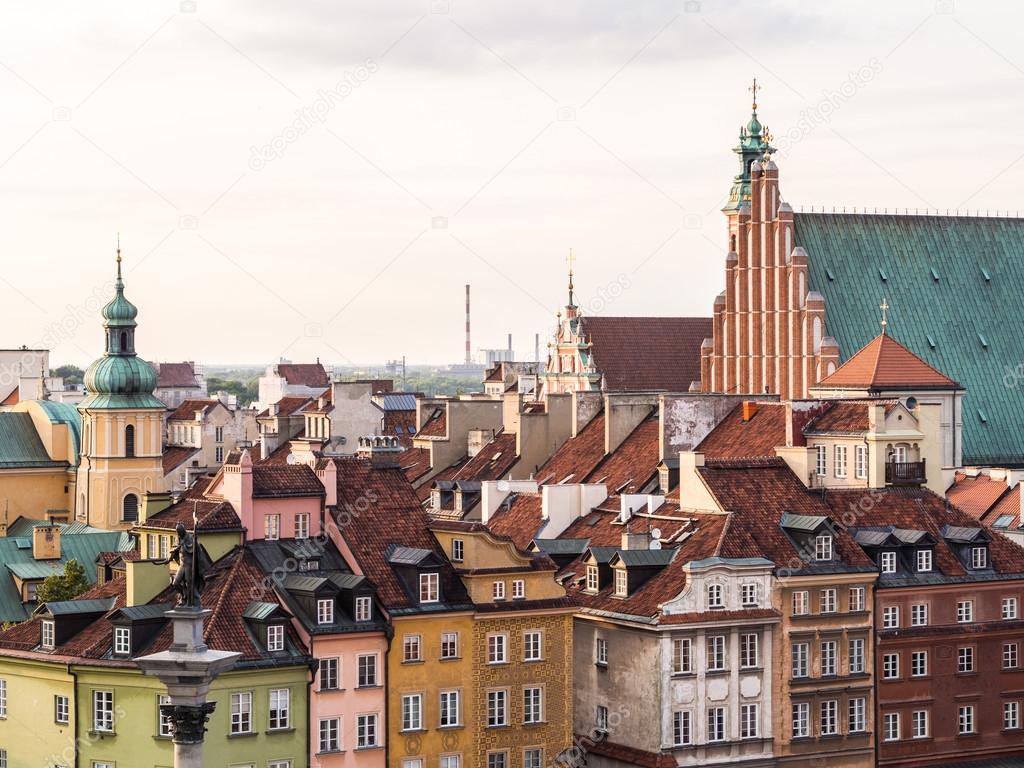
(905, 473)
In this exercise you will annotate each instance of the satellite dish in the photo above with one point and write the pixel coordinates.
(655, 544)
(292, 459)
(655, 533)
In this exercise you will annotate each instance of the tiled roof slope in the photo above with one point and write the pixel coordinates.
(845, 416)
(632, 465)
(958, 323)
(176, 375)
(884, 363)
(735, 438)
(1008, 505)
(436, 424)
(212, 515)
(647, 353)
(518, 519)
(304, 374)
(187, 410)
(976, 495)
(284, 480)
(287, 405)
(577, 455)
(415, 462)
(493, 462)
(176, 455)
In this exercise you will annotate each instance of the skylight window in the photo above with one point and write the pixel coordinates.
(881, 274)
(1003, 521)
(935, 275)
(985, 273)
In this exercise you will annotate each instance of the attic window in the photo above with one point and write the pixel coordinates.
(935, 275)
(881, 274)
(47, 634)
(275, 637)
(979, 558)
(986, 275)
(983, 340)
(621, 582)
(931, 341)
(592, 581)
(122, 641)
(1003, 521)
(982, 416)
(830, 275)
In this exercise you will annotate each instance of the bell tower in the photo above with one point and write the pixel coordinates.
(122, 424)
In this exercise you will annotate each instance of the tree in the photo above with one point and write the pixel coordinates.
(65, 586)
(71, 374)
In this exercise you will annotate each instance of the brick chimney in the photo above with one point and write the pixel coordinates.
(46, 542)
(749, 409)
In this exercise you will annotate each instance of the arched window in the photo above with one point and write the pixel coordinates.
(129, 440)
(130, 508)
(732, 243)
(124, 341)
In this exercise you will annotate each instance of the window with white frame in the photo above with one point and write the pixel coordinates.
(1009, 609)
(330, 734)
(829, 658)
(61, 710)
(122, 641)
(325, 611)
(498, 590)
(1011, 715)
(820, 457)
(3, 758)
(890, 617)
(828, 601)
(828, 720)
(328, 674)
(918, 663)
(800, 655)
(280, 709)
(965, 659)
(855, 651)
(682, 655)
(449, 645)
(919, 724)
(533, 758)
(840, 461)
(302, 525)
(887, 561)
(241, 712)
(856, 711)
(823, 546)
(497, 649)
(458, 550)
(592, 578)
(716, 596)
(412, 648)
(47, 639)
(364, 608)
(449, 715)
(272, 525)
(716, 723)
(919, 615)
(965, 611)
(924, 560)
(497, 760)
(801, 602)
(682, 727)
(748, 594)
(366, 668)
(1010, 655)
(429, 589)
(533, 645)
(275, 637)
(412, 712)
(749, 656)
(601, 718)
(518, 589)
(164, 726)
(279, 764)
(965, 718)
(891, 726)
(891, 666)
(801, 720)
(860, 457)
(102, 711)
(366, 730)
(533, 705)
(856, 599)
(497, 708)
(601, 652)
(621, 582)
(749, 721)
(979, 557)
(716, 653)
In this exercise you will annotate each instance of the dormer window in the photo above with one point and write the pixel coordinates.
(924, 560)
(748, 595)
(275, 637)
(458, 550)
(47, 640)
(592, 581)
(122, 641)
(823, 547)
(498, 590)
(325, 611)
(715, 596)
(621, 582)
(887, 562)
(309, 565)
(979, 558)
(429, 591)
(364, 608)
(518, 589)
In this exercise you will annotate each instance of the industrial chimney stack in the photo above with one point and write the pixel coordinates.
(469, 354)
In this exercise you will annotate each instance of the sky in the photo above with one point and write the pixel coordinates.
(321, 179)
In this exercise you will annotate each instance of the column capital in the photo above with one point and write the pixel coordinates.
(188, 722)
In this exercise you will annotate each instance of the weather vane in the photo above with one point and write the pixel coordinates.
(884, 306)
(754, 88)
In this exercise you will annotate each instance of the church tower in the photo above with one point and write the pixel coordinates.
(121, 424)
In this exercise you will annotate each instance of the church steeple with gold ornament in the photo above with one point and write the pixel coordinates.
(754, 147)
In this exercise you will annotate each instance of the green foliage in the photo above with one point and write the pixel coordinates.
(65, 586)
(71, 374)
(246, 391)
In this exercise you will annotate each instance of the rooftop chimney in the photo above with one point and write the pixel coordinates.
(46, 542)
(749, 409)
(381, 450)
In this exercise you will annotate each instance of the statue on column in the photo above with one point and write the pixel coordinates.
(189, 580)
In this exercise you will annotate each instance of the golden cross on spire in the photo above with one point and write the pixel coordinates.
(118, 255)
(754, 88)
(571, 259)
(884, 306)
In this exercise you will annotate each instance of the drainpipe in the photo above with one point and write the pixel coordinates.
(74, 697)
(309, 702)
(389, 633)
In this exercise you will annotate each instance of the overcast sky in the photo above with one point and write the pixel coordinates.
(322, 178)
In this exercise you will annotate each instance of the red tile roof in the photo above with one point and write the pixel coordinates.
(884, 363)
(176, 375)
(174, 456)
(415, 462)
(187, 410)
(13, 397)
(620, 753)
(493, 462)
(846, 416)
(212, 515)
(436, 424)
(400, 424)
(304, 374)
(647, 353)
(577, 456)
(518, 518)
(1009, 504)
(287, 405)
(634, 463)
(976, 495)
(284, 480)
(735, 438)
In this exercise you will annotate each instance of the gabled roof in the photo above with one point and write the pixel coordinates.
(632, 466)
(174, 456)
(304, 374)
(884, 364)
(518, 518)
(287, 405)
(272, 481)
(735, 438)
(176, 375)
(845, 416)
(493, 461)
(20, 444)
(436, 424)
(647, 353)
(977, 495)
(577, 456)
(212, 515)
(187, 410)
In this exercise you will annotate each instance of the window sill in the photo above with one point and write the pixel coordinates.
(329, 690)
(537, 724)
(273, 731)
(368, 687)
(497, 727)
(412, 730)
(533, 661)
(100, 734)
(331, 752)
(455, 727)
(243, 735)
(410, 662)
(369, 748)
(450, 658)
(601, 664)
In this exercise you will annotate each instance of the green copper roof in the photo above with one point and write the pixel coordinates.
(954, 286)
(65, 413)
(119, 312)
(20, 446)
